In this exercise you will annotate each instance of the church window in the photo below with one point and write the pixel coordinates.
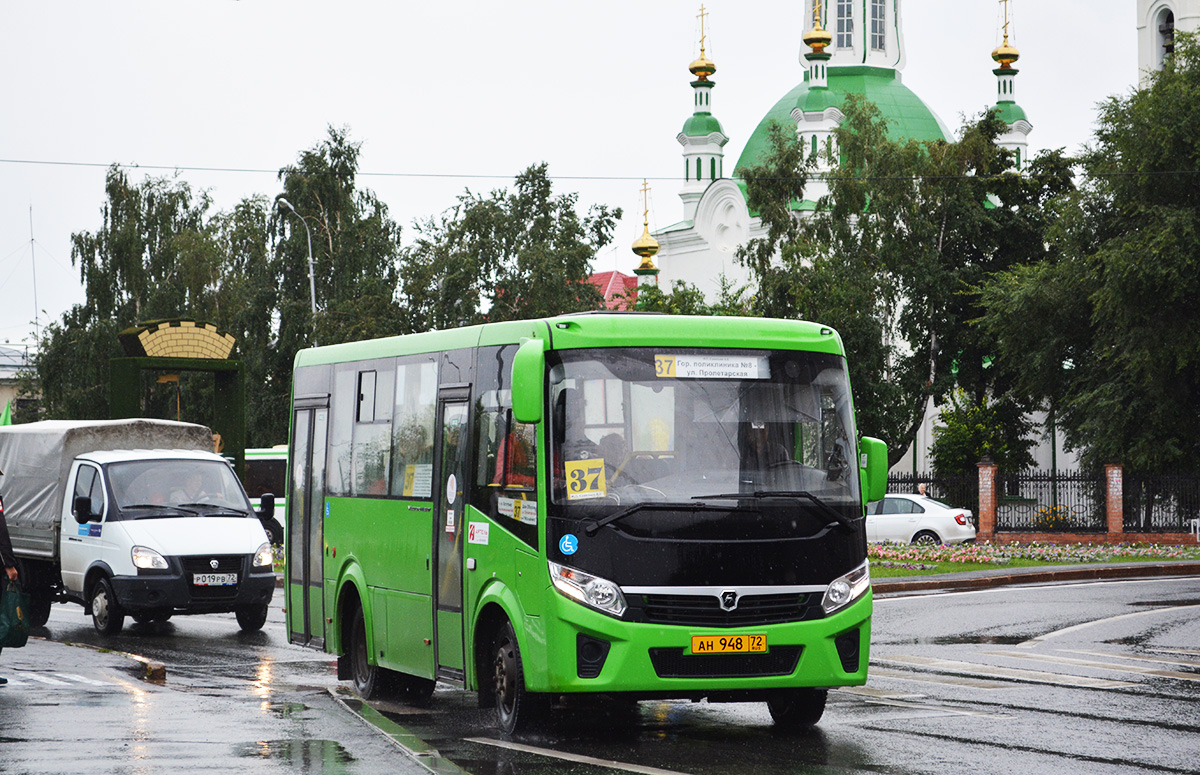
(845, 24)
(699, 169)
(687, 171)
(814, 145)
(878, 35)
(1166, 35)
(712, 165)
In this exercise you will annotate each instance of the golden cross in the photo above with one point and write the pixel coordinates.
(1005, 4)
(701, 16)
(816, 14)
(645, 204)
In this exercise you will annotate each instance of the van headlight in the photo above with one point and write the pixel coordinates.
(148, 559)
(844, 590)
(593, 591)
(264, 557)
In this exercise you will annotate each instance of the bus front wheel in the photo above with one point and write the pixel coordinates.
(797, 708)
(516, 708)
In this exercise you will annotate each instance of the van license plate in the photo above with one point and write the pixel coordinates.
(214, 579)
(728, 644)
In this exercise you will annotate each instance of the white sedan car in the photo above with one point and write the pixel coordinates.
(918, 519)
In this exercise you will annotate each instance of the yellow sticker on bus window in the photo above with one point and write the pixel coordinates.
(410, 477)
(585, 479)
(664, 365)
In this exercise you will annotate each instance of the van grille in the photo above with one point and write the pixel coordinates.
(202, 563)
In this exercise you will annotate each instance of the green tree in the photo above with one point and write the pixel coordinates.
(507, 256)
(686, 299)
(1109, 333)
(153, 257)
(969, 430)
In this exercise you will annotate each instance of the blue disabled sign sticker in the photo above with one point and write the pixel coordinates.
(569, 544)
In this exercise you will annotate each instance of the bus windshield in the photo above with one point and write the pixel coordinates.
(632, 425)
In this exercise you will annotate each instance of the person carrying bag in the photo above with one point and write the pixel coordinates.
(14, 602)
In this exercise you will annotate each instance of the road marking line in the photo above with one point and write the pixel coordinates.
(878, 694)
(82, 679)
(570, 757)
(1135, 657)
(45, 680)
(1016, 674)
(939, 710)
(1075, 627)
(1136, 669)
(946, 680)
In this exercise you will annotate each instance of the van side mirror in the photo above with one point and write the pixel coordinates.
(873, 462)
(82, 509)
(528, 381)
(266, 506)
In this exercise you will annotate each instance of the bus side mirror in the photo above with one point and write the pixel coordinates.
(266, 506)
(874, 468)
(528, 381)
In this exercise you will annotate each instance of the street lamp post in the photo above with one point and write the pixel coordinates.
(312, 282)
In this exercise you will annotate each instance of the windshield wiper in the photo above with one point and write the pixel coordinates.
(838, 516)
(592, 527)
(157, 506)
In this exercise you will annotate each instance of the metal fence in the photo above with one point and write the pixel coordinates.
(1052, 502)
(1160, 504)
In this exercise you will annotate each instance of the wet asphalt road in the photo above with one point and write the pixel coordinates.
(1096, 678)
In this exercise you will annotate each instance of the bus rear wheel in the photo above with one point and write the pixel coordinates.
(516, 708)
(797, 708)
(368, 678)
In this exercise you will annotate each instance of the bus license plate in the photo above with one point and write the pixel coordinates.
(214, 579)
(728, 644)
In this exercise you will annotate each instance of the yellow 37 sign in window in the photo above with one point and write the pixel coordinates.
(585, 479)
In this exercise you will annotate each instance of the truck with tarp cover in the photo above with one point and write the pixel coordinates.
(134, 517)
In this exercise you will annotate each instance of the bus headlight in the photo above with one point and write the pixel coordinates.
(593, 591)
(844, 590)
(147, 558)
(264, 557)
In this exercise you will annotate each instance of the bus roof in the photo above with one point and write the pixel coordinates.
(599, 329)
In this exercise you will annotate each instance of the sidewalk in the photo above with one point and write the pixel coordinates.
(1001, 577)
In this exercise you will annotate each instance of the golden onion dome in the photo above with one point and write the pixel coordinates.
(1006, 54)
(702, 67)
(645, 247)
(817, 38)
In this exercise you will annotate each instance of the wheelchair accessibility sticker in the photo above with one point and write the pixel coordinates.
(569, 544)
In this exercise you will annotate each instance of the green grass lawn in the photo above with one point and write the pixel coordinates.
(892, 560)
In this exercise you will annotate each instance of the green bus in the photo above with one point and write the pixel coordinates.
(637, 505)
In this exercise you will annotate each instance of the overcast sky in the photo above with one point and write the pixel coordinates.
(450, 95)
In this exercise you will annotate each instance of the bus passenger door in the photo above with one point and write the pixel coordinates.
(450, 494)
(305, 529)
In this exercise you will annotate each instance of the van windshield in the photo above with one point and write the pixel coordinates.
(197, 485)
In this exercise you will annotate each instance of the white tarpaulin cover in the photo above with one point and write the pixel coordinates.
(36, 458)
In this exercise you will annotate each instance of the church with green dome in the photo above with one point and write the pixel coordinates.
(848, 47)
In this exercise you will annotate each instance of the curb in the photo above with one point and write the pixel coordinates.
(1048, 575)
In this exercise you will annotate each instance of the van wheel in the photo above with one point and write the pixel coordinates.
(252, 617)
(107, 615)
(797, 708)
(39, 608)
(516, 708)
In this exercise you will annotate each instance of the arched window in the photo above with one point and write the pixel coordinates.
(687, 171)
(699, 170)
(1166, 34)
(814, 145)
(878, 20)
(712, 166)
(845, 24)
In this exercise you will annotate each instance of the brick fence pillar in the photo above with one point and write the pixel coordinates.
(987, 499)
(1115, 498)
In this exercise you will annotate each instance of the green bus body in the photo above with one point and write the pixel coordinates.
(403, 531)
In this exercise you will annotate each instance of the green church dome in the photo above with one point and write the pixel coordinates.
(701, 125)
(907, 116)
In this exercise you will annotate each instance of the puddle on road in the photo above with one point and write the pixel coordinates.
(324, 756)
(957, 640)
